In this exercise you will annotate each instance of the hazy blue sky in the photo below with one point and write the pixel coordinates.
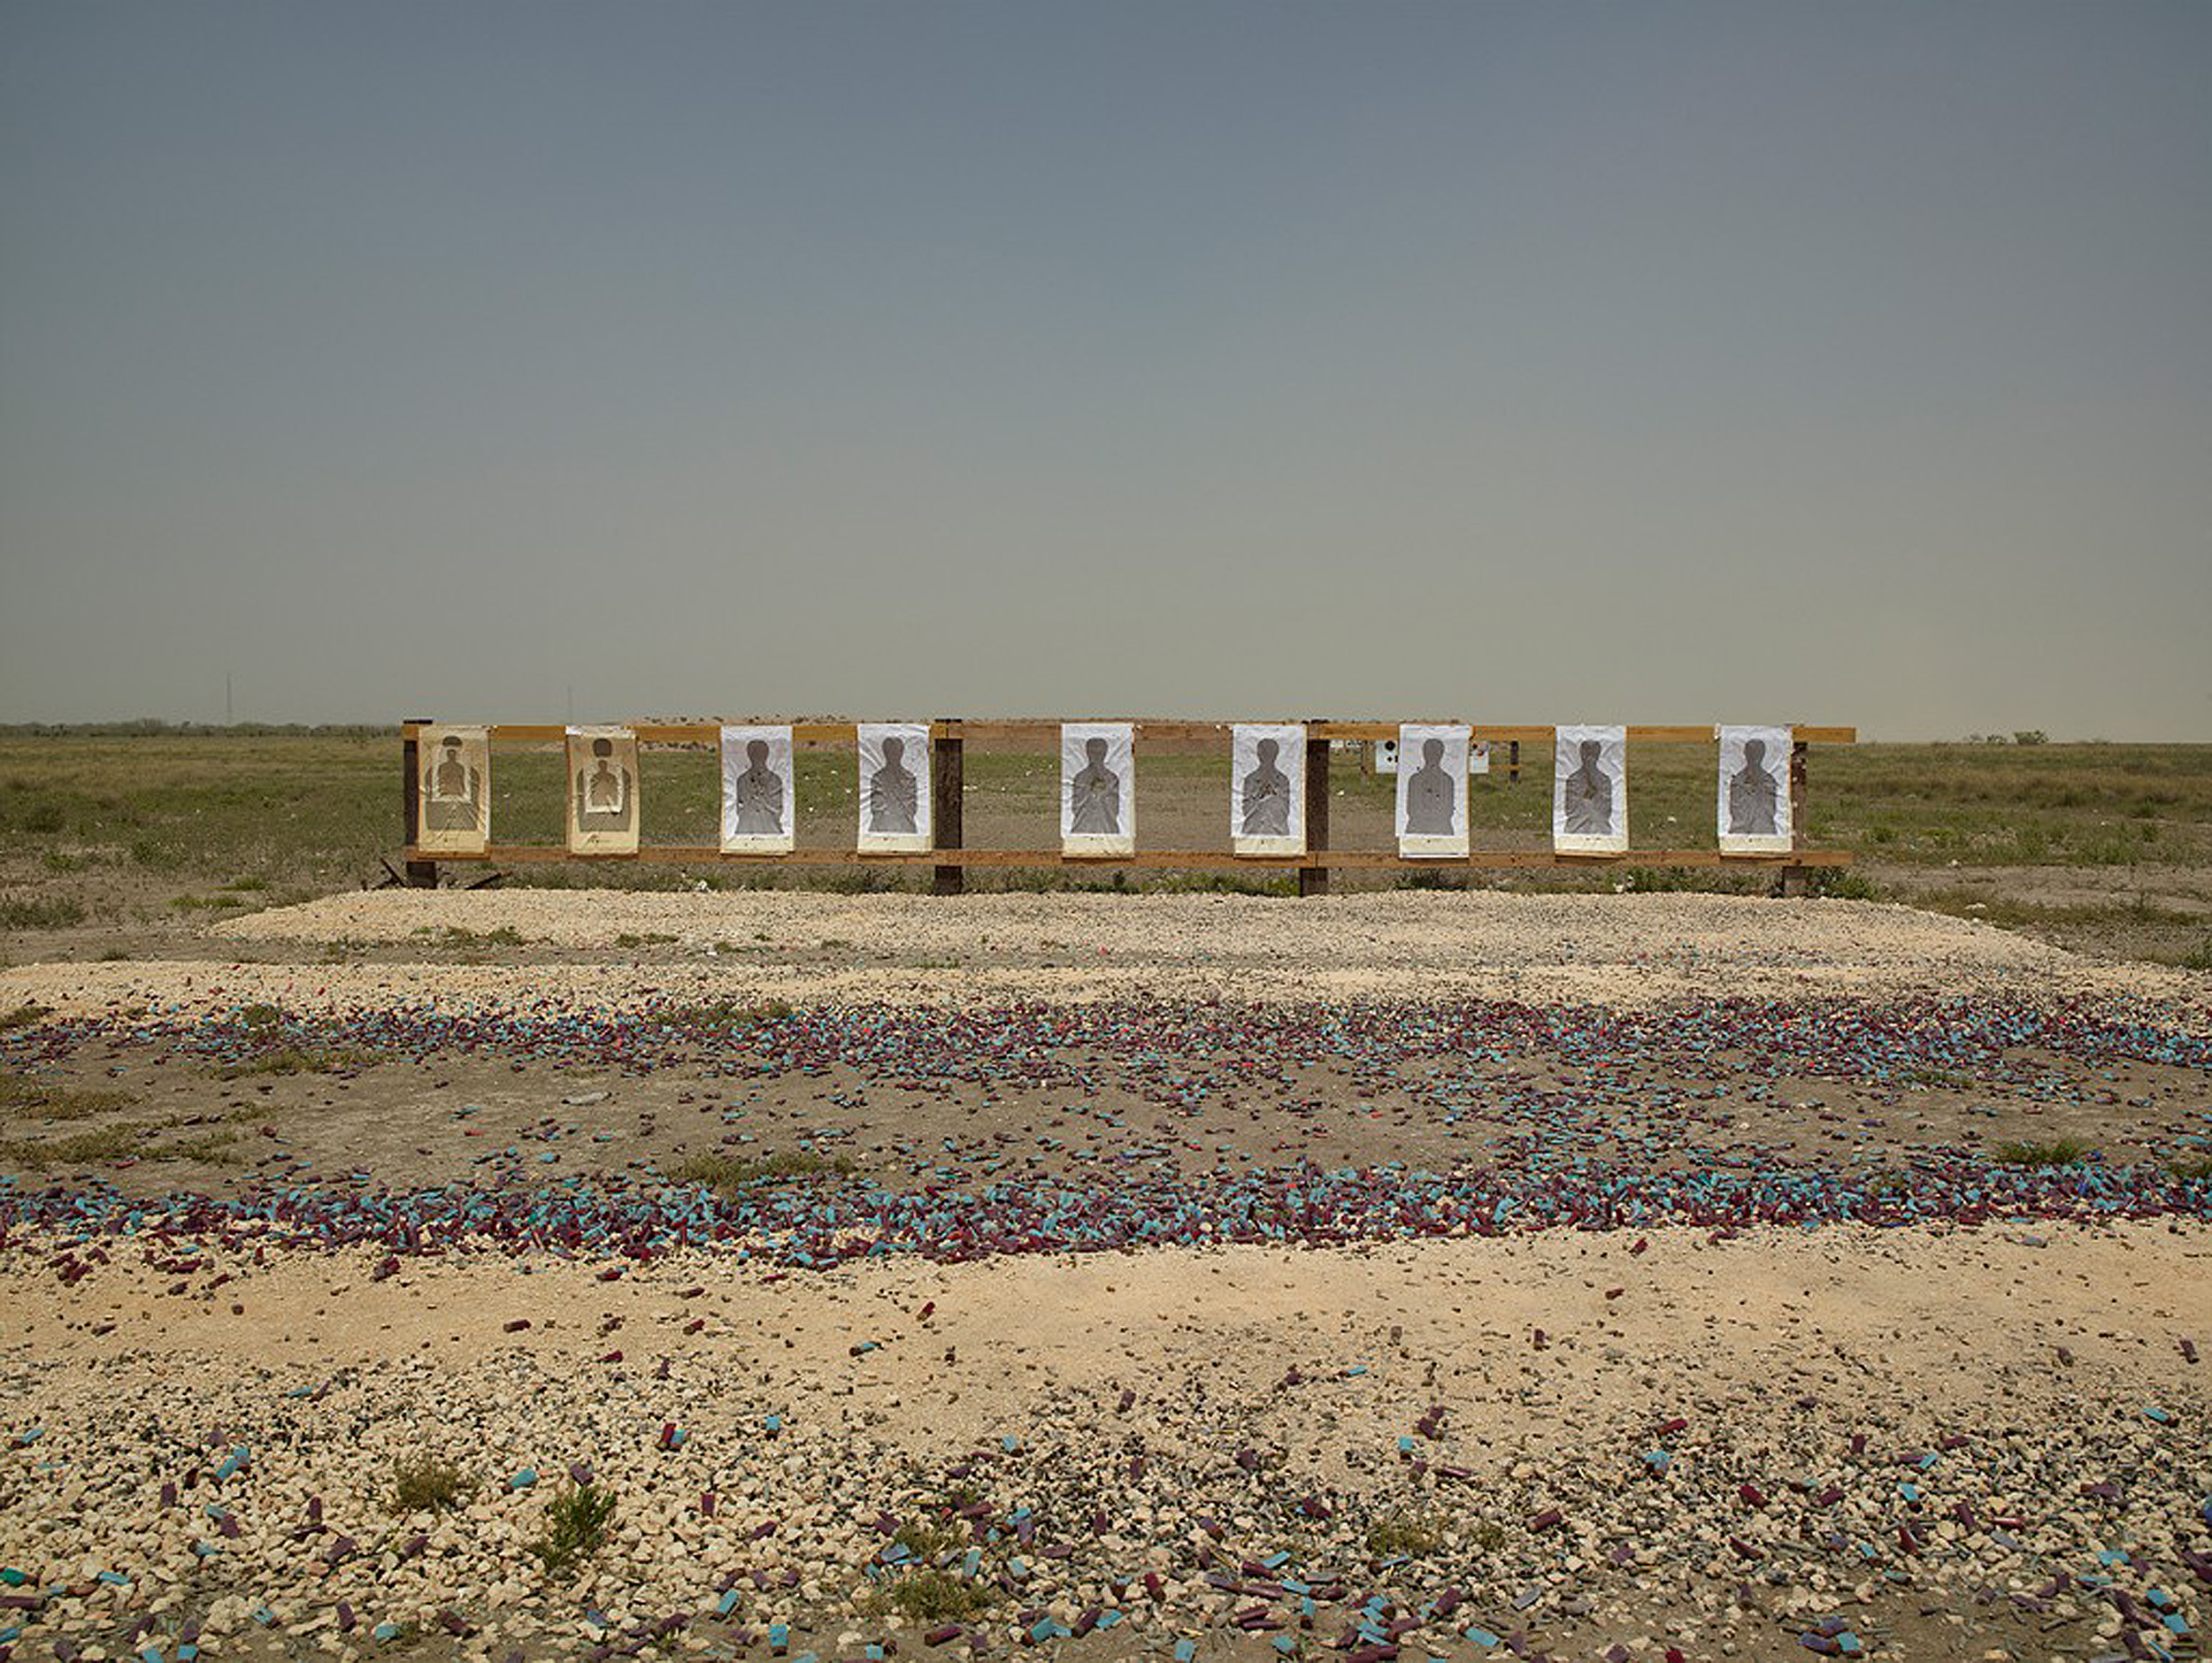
(1525, 362)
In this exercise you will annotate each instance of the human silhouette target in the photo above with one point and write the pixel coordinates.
(1267, 790)
(759, 794)
(1432, 805)
(759, 802)
(602, 791)
(894, 786)
(1433, 790)
(1752, 805)
(1588, 793)
(1094, 793)
(1098, 811)
(1590, 789)
(453, 801)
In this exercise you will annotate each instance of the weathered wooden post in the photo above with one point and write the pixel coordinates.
(1797, 879)
(945, 795)
(420, 874)
(1513, 763)
(1314, 880)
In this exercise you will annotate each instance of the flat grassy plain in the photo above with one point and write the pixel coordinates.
(108, 838)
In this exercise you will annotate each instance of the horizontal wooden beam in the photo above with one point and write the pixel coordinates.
(1148, 860)
(836, 735)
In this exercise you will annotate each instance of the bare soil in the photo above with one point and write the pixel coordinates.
(501, 1119)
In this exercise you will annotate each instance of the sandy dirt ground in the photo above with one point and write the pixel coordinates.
(1225, 1100)
(1868, 1320)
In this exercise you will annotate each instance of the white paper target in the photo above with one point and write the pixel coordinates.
(759, 794)
(1267, 788)
(602, 791)
(1431, 791)
(453, 813)
(1753, 804)
(1589, 803)
(894, 801)
(1098, 788)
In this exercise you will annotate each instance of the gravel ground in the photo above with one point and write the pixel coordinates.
(1440, 931)
(1614, 949)
(1577, 1442)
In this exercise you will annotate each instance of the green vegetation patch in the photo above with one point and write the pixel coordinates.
(725, 1013)
(931, 1596)
(576, 1523)
(293, 1060)
(41, 912)
(2060, 1151)
(212, 1148)
(1403, 1534)
(59, 1102)
(1939, 1079)
(128, 1141)
(82, 1149)
(727, 1174)
(428, 1486)
(929, 1542)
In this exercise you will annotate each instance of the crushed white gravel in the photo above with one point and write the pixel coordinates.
(1702, 1423)
(911, 949)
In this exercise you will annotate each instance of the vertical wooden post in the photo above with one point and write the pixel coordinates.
(1314, 880)
(1797, 879)
(420, 874)
(1513, 763)
(945, 783)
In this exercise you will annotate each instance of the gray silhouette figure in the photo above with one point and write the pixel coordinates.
(1095, 794)
(1432, 804)
(759, 794)
(1590, 795)
(451, 790)
(892, 795)
(603, 802)
(1754, 794)
(1267, 795)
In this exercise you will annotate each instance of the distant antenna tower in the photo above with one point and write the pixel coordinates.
(226, 717)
